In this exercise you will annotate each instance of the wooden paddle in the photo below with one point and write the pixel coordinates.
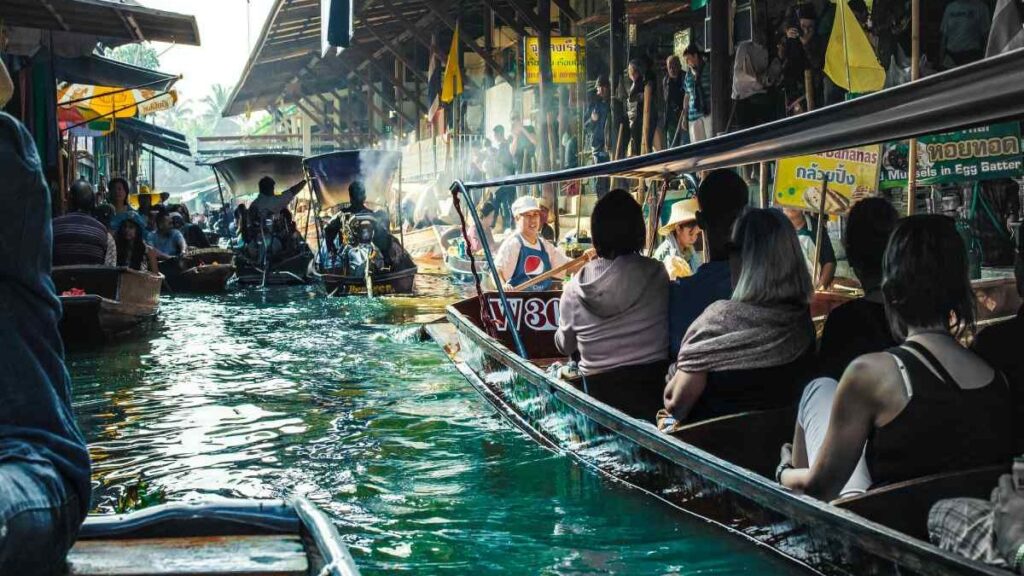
(568, 267)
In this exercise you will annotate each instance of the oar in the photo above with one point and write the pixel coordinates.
(570, 266)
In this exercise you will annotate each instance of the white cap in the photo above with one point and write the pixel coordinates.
(525, 204)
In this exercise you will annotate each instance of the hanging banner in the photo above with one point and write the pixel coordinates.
(853, 175)
(568, 55)
(982, 153)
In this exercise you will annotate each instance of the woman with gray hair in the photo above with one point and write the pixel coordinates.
(756, 350)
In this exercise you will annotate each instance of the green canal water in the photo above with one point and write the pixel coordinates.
(266, 394)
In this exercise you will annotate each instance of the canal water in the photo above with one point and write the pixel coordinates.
(263, 394)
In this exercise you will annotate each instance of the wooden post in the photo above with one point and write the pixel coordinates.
(617, 42)
(762, 183)
(721, 65)
(915, 73)
(819, 233)
(809, 90)
(645, 129)
(545, 100)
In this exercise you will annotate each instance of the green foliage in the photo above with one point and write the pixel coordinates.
(138, 496)
(141, 55)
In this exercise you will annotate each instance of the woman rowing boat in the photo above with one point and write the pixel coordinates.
(524, 255)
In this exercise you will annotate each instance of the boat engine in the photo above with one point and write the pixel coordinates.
(360, 250)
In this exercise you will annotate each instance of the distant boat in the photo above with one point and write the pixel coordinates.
(357, 268)
(205, 270)
(239, 180)
(100, 302)
(236, 537)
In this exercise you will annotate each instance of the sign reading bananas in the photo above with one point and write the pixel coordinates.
(568, 57)
(852, 175)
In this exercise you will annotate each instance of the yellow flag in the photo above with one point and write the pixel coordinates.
(850, 60)
(451, 84)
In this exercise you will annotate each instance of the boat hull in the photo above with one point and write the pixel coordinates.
(291, 271)
(400, 282)
(561, 417)
(115, 301)
(203, 271)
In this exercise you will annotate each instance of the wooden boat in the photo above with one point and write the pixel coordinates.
(236, 537)
(238, 178)
(426, 244)
(722, 469)
(100, 302)
(458, 266)
(330, 176)
(205, 270)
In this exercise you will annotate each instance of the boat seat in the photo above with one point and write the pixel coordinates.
(273, 555)
(904, 506)
(749, 439)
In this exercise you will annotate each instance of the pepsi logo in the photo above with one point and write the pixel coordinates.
(533, 265)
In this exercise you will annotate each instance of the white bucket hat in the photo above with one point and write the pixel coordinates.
(525, 204)
(683, 212)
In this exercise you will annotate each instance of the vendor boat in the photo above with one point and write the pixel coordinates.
(457, 262)
(100, 302)
(356, 266)
(236, 537)
(257, 263)
(203, 270)
(722, 469)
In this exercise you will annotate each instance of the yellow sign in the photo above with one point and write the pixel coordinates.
(568, 56)
(852, 176)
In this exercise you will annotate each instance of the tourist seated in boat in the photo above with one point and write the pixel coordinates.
(614, 312)
(1000, 346)
(193, 233)
(989, 531)
(167, 241)
(927, 406)
(79, 238)
(44, 464)
(827, 257)
(524, 255)
(859, 326)
(677, 252)
(722, 196)
(118, 190)
(132, 250)
(488, 216)
(754, 351)
(546, 231)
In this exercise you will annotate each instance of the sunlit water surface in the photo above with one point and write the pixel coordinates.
(263, 394)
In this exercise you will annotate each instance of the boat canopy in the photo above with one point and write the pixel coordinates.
(986, 91)
(332, 173)
(240, 175)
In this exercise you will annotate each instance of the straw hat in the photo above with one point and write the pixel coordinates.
(525, 204)
(683, 212)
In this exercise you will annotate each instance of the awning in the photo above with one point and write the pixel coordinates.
(153, 135)
(99, 71)
(121, 19)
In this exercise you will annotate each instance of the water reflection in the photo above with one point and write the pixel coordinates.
(266, 394)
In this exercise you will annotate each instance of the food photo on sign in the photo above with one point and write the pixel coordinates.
(852, 176)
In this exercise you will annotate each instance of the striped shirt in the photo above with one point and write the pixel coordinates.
(79, 239)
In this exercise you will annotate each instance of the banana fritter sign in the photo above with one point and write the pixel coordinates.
(853, 175)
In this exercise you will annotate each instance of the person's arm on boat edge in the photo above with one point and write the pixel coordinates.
(1008, 523)
(6, 86)
(154, 264)
(854, 412)
(683, 391)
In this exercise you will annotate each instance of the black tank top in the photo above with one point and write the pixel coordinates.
(943, 427)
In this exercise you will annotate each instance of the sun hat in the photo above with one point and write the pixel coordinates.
(525, 204)
(683, 212)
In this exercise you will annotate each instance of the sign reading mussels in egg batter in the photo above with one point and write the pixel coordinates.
(982, 153)
(853, 174)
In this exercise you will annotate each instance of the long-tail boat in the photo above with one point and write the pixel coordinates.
(236, 537)
(722, 469)
(356, 267)
(101, 302)
(238, 180)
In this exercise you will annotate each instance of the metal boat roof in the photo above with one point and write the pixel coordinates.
(240, 175)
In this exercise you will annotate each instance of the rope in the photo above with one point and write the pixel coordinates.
(485, 316)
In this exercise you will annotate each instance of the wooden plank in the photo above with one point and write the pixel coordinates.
(567, 9)
(411, 27)
(278, 555)
(394, 50)
(507, 17)
(530, 16)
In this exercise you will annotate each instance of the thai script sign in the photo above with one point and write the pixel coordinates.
(852, 175)
(982, 153)
(568, 56)
(537, 314)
